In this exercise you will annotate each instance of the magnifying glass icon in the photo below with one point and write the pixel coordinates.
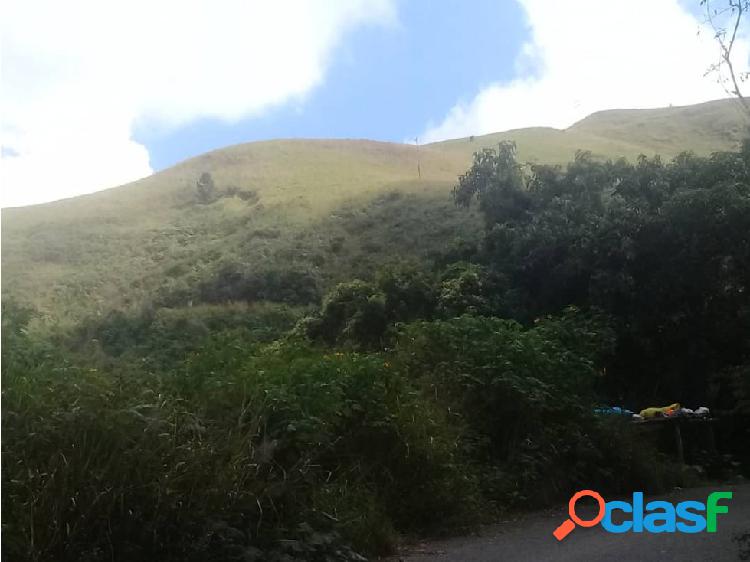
(569, 524)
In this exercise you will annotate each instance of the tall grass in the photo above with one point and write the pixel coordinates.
(242, 450)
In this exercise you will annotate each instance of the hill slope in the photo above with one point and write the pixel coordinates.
(326, 209)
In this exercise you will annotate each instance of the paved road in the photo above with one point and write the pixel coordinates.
(530, 538)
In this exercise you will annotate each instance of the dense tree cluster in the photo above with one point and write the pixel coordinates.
(664, 248)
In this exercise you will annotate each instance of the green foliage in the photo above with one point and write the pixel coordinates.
(358, 314)
(525, 398)
(364, 315)
(353, 314)
(650, 243)
(241, 450)
(168, 431)
(497, 181)
(203, 445)
(468, 288)
(409, 293)
(162, 338)
(205, 188)
(15, 324)
(235, 283)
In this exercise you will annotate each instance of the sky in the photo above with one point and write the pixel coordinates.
(97, 93)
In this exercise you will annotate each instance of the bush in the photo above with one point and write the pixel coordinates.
(163, 338)
(205, 189)
(353, 314)
(235, 283)
(241, 452)
(360, 314)
(468, 288)
(525, 397)
(409, 293)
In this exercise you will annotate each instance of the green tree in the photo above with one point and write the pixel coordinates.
(409, 293)
(353, 314)
(206, 188)
(496, 180)
(660, 246)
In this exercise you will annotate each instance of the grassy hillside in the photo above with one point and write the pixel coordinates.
(326, 209)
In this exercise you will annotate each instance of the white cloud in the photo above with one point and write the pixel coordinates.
(78, 75)
(587, 55)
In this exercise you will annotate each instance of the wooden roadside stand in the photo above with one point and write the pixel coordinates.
(699, 429)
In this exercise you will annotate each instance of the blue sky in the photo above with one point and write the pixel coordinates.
(98, 94)
(383, 83)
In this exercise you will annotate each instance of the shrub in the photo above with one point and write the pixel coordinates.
(352, 314)
(525, 397)
(468, 288)
(243, 452)
(162, 338)
(409, 293)
(205, 188)
(235, 283)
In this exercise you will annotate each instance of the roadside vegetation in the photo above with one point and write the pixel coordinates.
(263, 413)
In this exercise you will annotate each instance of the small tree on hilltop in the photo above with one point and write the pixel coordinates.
(206, 188)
